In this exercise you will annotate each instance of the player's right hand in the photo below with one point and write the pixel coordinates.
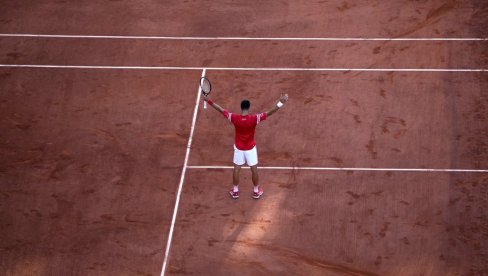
(283, 98)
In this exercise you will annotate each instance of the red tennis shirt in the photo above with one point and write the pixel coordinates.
(245, 126)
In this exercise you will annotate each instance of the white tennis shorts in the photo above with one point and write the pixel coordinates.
(250, 157)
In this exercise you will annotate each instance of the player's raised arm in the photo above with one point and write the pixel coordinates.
(278, 105)
(213, 104)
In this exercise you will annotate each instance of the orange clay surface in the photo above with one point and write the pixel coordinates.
(91, 159)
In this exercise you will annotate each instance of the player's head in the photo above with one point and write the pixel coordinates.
(245, 105)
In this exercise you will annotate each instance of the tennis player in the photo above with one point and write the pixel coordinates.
(245, 147)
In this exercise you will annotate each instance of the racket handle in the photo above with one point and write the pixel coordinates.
(204, 104)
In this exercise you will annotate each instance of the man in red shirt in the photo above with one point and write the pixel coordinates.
(245, 146)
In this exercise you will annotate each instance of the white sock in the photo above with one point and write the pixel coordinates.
(256, 189)
(236, 188)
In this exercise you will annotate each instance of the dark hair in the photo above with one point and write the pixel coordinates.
(245, 105)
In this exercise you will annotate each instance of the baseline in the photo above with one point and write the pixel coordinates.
(249, 38)
(238, 68)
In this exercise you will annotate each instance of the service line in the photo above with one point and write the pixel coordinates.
(349, 169)
(134, 37)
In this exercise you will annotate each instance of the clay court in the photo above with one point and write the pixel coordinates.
(377, 164)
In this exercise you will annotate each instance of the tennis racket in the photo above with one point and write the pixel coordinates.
(206, 87)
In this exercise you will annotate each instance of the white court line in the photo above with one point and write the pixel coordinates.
(347, 169)
(182, 179)
(238, 68)
(248, 38)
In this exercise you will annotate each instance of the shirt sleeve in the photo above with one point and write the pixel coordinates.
(228, 115)
(261, 117)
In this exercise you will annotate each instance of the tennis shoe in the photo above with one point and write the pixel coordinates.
(234, 195)
(257, 195)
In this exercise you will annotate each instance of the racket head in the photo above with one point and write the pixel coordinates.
(205, 85)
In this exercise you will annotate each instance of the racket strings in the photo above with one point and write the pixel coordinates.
(206, 86)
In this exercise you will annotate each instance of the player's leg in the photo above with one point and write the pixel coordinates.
(252, 161)
(235, 175)
(234, 192)
(255, 175)
(239, 160)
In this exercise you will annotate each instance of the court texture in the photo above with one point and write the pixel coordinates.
(377, 164)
